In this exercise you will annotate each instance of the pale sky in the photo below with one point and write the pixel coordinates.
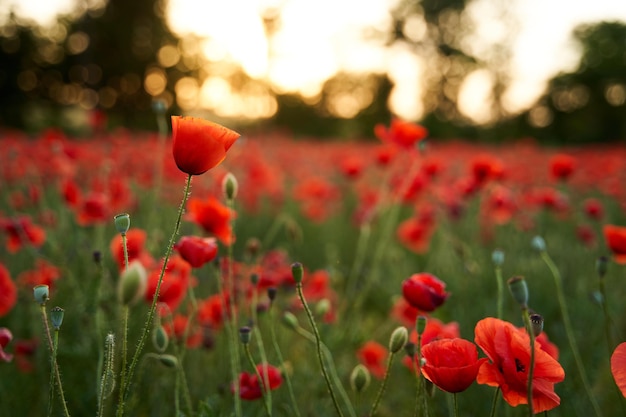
(318, 38)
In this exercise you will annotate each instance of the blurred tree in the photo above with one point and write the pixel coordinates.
(116, 56)
(588, 104)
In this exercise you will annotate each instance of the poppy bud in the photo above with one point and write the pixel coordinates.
(360, 378)
(322, 307)
(602, 265)
(122, 223)
(420, 324)
(230, 186)
(410, 349)
(132, 283)
(160, 339)
(244, 334)
(497, 257)
(519, 290)
(538, 244)
(56, 317)
(41, 293)
(271, 293)
(398, 339)
(297, 271)
(536, 324)
(254, 278)
(170, 361)
(290, 320)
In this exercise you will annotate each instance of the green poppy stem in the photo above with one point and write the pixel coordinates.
(531, 335)
(381, 390)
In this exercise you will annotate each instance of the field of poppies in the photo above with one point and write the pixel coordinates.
(206, 273)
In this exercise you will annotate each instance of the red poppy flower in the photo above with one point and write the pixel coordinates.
(174, 285)
(94, 209)
(213, 217)
(451, 364)
(508, 349)
(213, 311)
(372, 355)
(199, 145)
(5, 337)
(44, 274)
(615, 237)
(404, 312)
(8, 292)
(415, 234)
(562, 166)
(21, 231)
(24, 351)
(250, 387)
(71, 193)
(424, 291)
(197, 250)
(593, 208)
(177, 327)
(618, 367)
(401, 133)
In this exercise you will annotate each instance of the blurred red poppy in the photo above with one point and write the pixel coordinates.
(174, 285)
(250, 388)
(5, 337)
(21, 231)
(451, 364)
(199, 145)
(8, 291)
(372, 355)
(44, 274)
(213, 217)
(176, 328)
(94, 209)
(618, 367)
(197, 250)
(508, 349)
(615, 237)
(213, 311)
(135, 240)
(424, 291)
(401, 133)
(593, 208)
(562, 166)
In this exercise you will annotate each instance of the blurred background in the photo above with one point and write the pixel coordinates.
(487, 70)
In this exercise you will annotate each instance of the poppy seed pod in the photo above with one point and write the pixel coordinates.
(56, 317)
(538, 244)
(41, 293)
(297, 271)
(244, 334)
(519, 290)
(536, 324)
(497, 257)
(122, 223)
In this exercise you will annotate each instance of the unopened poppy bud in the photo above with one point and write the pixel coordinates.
(290, 320)
(410, 349)
(271, 293)
(254, 278)
(132, 283)
(97, 256)
(519, 290)
(244, 334)
(398, 339)
(538, 244)
(602, 265)
(56, 317)
(360, 378)
(497, 256)
(41, 293)
(230, 186)
(322, 307)
(170, 361)
(420, 324)
(536, 324)
(160, 339)
(297, 271)
(122, 223)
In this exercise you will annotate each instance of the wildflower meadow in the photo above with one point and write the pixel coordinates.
(203, 271)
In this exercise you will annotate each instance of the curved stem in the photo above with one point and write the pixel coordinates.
(381, 391)
(494, 403)
(263, 381)
(55, 365)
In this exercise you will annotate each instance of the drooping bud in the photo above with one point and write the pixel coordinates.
(170, 361)
(519, 290)
(322, 307)
(398, 339)
(230, 186)
(360, 378)
(290, 320)
(297, 271)
(536, 324)
(122, 223)
(160, 339)
(41, 293)
(244, 334)
(56, 317)
(497, 257)
(132, 283)
(602, 265)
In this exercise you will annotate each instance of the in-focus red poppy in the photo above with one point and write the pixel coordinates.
(21, 231)
(618, 367)
(401, 133)
(200, 145)
(213, 217)
(562, 166)
(197, 250)
(250, 388)
(451, 364)
(5, 337)
(8, 291)
(615, 237)
(372, 355)
(176, 279)
(508, 349)
(424, 291)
